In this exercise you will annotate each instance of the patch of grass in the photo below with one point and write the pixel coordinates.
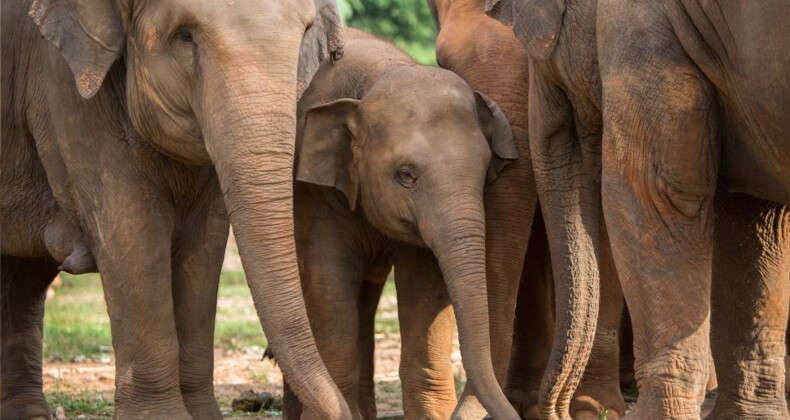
(76, 323)
(88, 403)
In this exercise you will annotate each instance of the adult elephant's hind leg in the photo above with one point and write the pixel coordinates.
(659, 176)
(24, 288)
(751, 264)
(199, 249)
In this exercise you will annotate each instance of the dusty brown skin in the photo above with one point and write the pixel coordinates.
(705, 116)
(179, 108)
(565, 134)
(489, 56)
(715, 97)
(407, 150)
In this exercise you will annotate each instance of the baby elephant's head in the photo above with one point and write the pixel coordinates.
(415, 153)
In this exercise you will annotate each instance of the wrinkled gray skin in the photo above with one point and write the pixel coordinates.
(694, 106)
(491, 59)
(180, 108)
(406, 150)
(565, 139)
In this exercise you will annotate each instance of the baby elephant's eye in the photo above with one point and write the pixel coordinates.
(406, 176)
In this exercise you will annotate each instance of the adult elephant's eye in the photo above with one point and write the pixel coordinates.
(185, 35)
(406, 176)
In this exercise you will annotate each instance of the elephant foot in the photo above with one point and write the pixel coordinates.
(138, 412)
(598, 402)
(203, 408)
(650, 413)
(595, 415)
(469, 408)
(368, 410)
(525, 403)
(25, 408)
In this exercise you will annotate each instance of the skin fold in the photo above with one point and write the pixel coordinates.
(710, 193)
(488, 55)
(392, 158)
(702, 136)
(133, 133)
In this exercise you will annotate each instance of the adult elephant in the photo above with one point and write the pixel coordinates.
(565, 138)
(491, 58)
(695, 176)
(177, 105)
(693, 106)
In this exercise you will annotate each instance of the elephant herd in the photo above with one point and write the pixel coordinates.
(568, 157)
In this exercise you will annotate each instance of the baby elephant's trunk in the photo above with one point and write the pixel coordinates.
(459, 245)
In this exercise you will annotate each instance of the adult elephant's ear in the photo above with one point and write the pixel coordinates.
(536, 23)
(89, 34)
(497, 130)
(323, 40)
(325, 154)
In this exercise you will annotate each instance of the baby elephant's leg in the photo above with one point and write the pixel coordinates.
(426, 324)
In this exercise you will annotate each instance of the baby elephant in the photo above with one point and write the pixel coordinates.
(406, 151)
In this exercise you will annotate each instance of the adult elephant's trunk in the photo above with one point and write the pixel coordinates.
(248, 119)
(459, 245)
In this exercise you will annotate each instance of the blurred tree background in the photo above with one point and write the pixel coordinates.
(407, 23)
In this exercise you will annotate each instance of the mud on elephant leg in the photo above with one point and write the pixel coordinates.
(534, 325)
(369, 297)
(751, 264)
(659, 176)
(24, 285)
(200, 244)
(599, 390)
(426, 323)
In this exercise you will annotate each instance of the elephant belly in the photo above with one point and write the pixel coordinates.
(26, 201)
(753, 161)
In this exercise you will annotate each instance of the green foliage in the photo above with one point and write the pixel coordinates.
(407, 23)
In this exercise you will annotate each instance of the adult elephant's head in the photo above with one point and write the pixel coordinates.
(216, 83)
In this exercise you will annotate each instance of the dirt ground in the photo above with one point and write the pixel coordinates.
(237, 371)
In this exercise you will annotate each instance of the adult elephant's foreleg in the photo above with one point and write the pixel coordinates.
(24, 286)
(599, 391)
(751, 263)
(660, 160)
(200, 244)
(131, 230)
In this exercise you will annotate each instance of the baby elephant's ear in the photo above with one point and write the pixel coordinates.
(497, 130)
(324, 155)
(89, 34)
